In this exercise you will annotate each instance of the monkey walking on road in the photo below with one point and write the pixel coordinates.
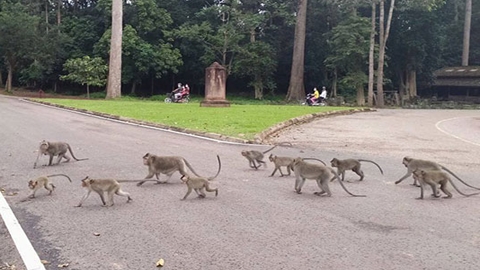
(254, 156)
(351, 164)
(55, 149)
(435, 178)
(43, 181)
(320, 173)
(426, 165)
(165, 165)
(199, 184)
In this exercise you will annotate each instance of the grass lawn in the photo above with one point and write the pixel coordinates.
(241, 121)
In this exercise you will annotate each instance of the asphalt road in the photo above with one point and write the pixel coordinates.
(256, 222)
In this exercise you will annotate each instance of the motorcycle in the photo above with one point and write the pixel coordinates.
(310, 101)
(185, 98)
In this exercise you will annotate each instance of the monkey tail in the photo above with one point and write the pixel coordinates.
(466, 184)
(378, 166)
(219, 168)
(60, 174)
(316, 160)
(343, 186)
(280, 144)
(71, 153)
(455, 187)
(190, 167)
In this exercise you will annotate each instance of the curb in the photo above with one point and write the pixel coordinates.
(258, 139)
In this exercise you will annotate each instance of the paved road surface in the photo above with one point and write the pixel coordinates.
(256, 222)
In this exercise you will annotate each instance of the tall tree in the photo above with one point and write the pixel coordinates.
(18, 32)
(296, 88)
(383, 37)
(466, 32)
(371, 55)
(114, 83)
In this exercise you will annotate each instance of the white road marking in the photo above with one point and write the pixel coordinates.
(437, 125)
(27, 252)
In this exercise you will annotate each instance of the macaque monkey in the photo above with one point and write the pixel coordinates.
(200, 183)
(55, 149)
(100, 186)
(435, 178)
(351, 164)
(254, 155)
(43, 181)
(166, 165)
(426, 165)
(320, 173)
(279, 162)
(286, 162)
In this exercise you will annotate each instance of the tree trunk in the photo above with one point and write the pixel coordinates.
(46, 16)
(381, 55)
(466, 32)
(296, 89)
(412, 83)
(133, 89)
(1, 79)
(360, 95)
(59, 13)
(9, 78)
(114, 83)
(371, 57)
(258, 85)
(334, 83)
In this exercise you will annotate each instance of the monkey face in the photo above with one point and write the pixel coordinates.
(271, 157)
(334, 162)
(244, 153)
(32, 184)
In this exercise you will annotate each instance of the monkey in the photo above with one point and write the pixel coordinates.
(351, 164)
(434, 178)
(166, 165)
(279, 162)
(254, 155)
(55, 149)
(200, 183)
(416, 164)
(285, 161)
(43, 181)
(320, 173)
(100, 186)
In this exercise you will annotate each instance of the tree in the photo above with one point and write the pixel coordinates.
(349, 44)
(466, 32)
(86, 71)
(114, 84)
(18, 32)
(296, 88)
(371, 55)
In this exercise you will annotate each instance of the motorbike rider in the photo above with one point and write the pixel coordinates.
(316, 95)
(178, 91)
(323, 95)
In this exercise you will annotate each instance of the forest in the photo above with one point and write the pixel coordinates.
(269, 47)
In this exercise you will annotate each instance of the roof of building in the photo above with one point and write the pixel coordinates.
(458, 76)
(469, 71)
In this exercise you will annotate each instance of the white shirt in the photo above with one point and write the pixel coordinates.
(323, 94)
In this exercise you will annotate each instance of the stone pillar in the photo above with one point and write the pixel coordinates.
(215, 87)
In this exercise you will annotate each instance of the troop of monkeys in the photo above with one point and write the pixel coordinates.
(424, 171)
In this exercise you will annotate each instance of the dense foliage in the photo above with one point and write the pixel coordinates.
(171, 41)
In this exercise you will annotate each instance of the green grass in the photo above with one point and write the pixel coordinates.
(241, 121)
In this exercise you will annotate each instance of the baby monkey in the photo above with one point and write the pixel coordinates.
(254, 156)
(200, 183)
(100, 186)
(433, 179)
(43, 181)
(351, 164)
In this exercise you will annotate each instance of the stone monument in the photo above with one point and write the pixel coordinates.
(215, 87)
